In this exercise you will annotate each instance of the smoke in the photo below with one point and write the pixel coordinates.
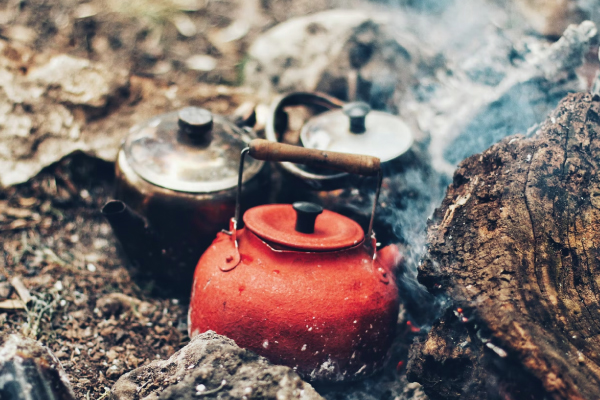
(489, 77)
(409, 197)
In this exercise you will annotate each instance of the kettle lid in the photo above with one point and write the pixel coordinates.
(357, 129)
(190, 150)
(291, 225)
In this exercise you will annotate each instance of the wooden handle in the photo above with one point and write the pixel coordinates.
(353, 163)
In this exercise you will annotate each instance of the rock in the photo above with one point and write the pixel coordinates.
(201, 62)
(39, 118)
(550, 17)
(184, 24)
(115, 370)
(346, 53)
(30, 371)
(20, 33)
(211, 363)
(79, 81)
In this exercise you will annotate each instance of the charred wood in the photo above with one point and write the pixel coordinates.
(515, 246)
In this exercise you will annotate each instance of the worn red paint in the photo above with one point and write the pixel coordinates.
(299, 308)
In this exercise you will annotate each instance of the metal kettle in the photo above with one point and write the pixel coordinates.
(176, 179)
(338, 126)
(302, 286)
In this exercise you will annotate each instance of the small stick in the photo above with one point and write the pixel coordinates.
(12, 304)
(21, 289)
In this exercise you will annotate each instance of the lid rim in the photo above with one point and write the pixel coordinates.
(283, 248)
(275, 223)
(199, 188)
(159, 153)
(336, 137)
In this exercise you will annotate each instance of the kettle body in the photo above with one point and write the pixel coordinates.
(331, 316)
(183, 224)
(175, 187)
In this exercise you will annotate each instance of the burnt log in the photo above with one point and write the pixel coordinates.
(515, 248)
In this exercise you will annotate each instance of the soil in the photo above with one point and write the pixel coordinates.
(57, 243)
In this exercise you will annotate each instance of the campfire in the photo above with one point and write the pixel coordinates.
(292, 200)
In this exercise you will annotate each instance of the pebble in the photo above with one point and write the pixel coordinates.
(201, 62)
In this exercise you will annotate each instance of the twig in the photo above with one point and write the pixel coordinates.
(106, 393)
(212, 391)
(12, 304)
(21, 289)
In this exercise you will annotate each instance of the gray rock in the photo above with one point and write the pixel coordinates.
(346, 53)
(42, 113)
(78, 81)
(29, 371)
(212, 364)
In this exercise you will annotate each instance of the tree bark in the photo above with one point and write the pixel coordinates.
(515, 247)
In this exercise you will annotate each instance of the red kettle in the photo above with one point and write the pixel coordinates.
(300, 285)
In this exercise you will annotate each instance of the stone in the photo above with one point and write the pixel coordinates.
(116, 303)
(29, 370)
(212, 364)
(42, 113)
(346, 53)
(78, 81)
(201, 62)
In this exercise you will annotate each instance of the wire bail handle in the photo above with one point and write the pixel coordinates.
(266, 150)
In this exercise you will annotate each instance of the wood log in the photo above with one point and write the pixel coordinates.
(515, 247)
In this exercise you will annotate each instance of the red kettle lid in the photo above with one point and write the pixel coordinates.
(303, 226)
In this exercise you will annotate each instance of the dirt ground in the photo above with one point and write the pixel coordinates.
(56, 242)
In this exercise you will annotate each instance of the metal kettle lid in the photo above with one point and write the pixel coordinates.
(357, 129)
(291, 225)
(190, 150)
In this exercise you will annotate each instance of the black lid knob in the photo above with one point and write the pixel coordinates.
(195, 122)
(306, 215)
(357, 112)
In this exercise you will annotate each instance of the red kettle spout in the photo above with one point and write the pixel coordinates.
(390, 258)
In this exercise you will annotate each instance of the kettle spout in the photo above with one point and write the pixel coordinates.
(390, 258)
(138, 240)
